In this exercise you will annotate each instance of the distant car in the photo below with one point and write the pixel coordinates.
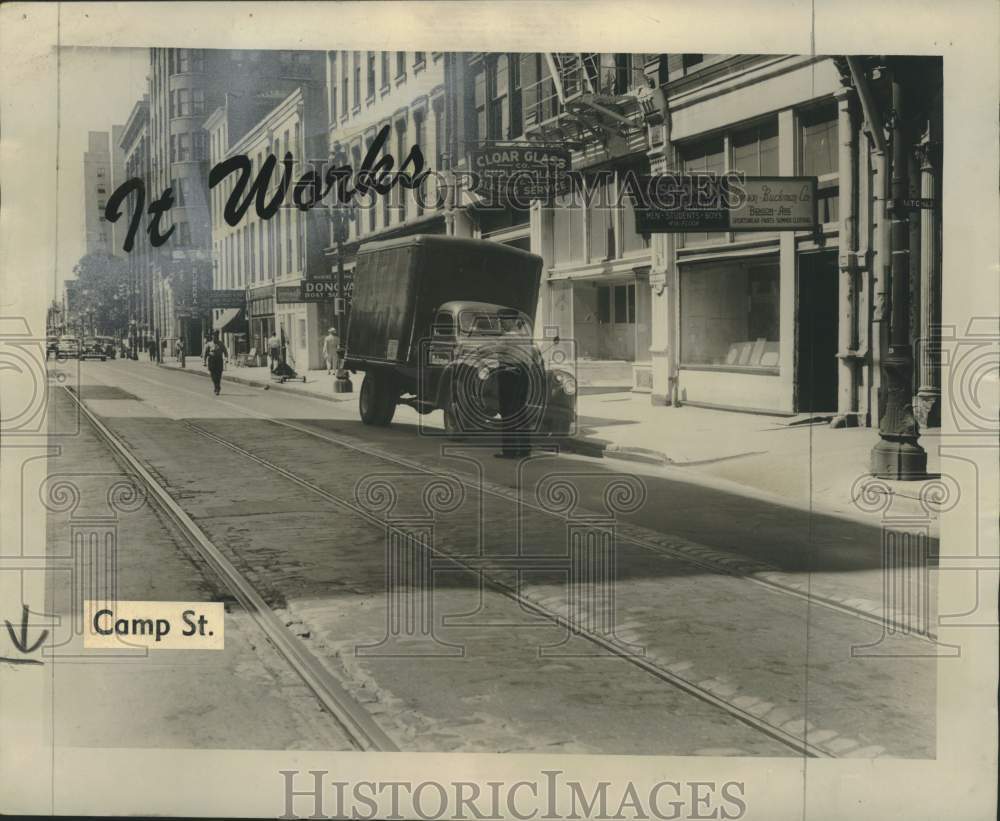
(93, 349)
(68, 347)
(107, 344)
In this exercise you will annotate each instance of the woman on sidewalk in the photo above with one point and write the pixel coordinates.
(215, 356)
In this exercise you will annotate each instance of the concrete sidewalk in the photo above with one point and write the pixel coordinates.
(806, 466)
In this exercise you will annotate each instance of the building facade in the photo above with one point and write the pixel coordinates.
(780, 323)
(185, 87)
(134, 142)
(97, 187)
(369, 91)
(260, 256)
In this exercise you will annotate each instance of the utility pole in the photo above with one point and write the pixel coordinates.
(341, 216)
(898, 454)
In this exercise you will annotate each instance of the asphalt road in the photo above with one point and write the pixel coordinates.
(567, 604)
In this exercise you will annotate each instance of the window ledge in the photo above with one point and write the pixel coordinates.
(749, 369)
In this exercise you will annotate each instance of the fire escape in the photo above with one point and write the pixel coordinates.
(581, 98)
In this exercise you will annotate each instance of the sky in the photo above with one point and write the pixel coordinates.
(97, 89)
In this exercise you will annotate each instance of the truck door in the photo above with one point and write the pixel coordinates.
(440, 351)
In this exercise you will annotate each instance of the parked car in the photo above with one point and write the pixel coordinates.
(442, 323)
(68, 347)
(93, 349)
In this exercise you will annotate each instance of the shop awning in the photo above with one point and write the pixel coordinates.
(231, 321)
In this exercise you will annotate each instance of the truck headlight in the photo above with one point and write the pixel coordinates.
(487, 368)
(566, 382)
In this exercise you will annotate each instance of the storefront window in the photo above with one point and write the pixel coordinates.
(730, 316)
(631, 240)
(616, 302)
(568, 232)
(755, 153)
(818, 157)
(703, 156)
(600, 226)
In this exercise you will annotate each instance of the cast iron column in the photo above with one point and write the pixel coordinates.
(898, 454)
(341, 380)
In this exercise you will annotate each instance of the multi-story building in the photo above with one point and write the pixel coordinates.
(781, 323)
(369, 91)
(134, 143)
(257, 255)
(103, 164)
(186, 86)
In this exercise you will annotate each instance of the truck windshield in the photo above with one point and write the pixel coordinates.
(478, 323)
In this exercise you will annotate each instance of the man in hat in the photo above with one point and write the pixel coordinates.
(331, 342)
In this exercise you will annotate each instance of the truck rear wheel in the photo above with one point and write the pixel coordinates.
(377, 400)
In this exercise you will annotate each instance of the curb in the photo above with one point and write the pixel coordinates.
(253, 383)
(582, 445)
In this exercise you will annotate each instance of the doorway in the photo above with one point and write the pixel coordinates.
(816, 337)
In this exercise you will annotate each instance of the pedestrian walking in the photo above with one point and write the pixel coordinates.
(331, 343)
(180, 352)
(215, 356)
(274, 345)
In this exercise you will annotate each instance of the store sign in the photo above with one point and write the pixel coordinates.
(288, 294)
(675, 203)
(325, 291)
(520, 172)
(234, 298)
(776, 204)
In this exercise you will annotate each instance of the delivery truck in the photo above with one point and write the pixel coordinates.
(447, 323)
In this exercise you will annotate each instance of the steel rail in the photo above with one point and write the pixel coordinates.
(359, 725)
(778, 734)
(884, 620)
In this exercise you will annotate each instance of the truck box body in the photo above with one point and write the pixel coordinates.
(399, 283)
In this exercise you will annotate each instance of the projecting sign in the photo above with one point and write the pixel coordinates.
(520, 172)
(314, 291)
(674, 203)
(235, 298)
(324, 291)
(775, 204)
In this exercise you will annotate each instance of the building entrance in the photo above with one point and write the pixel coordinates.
(816, 338)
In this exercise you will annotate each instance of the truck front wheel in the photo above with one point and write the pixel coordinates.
(377, 400)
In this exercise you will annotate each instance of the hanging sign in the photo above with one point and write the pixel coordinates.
(288, 294)
(675, 203)
(520, 173)
(235, 298)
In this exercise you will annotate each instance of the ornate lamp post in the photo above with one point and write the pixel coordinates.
(898, 455)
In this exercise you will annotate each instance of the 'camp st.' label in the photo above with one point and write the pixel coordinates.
(158, 625)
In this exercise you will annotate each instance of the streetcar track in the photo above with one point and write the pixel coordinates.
(544, 609)
(358, 724)
(749, 570)
(612, 646)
